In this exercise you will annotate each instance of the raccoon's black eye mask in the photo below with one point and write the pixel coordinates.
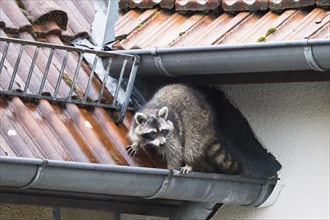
(149, 136)
(165, 132)
(152, 135)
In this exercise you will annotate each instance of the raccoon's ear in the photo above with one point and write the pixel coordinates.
(140, 118)
(163, 112)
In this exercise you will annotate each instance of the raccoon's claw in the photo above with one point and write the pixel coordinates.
(132, 150)
(185, 170)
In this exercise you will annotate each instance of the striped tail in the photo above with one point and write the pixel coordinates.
(222, 161)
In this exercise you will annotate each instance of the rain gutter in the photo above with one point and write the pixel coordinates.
(203, 189)
(298, 55)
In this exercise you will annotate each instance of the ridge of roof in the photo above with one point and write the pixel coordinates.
(225, 5)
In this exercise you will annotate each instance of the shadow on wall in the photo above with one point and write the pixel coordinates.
(237, 137)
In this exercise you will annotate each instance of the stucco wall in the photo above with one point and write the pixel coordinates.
(31, 212)
(292, 121)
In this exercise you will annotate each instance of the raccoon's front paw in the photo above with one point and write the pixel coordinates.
(132, 150)
(185, 170)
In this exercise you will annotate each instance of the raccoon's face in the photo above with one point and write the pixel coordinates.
(153, 128)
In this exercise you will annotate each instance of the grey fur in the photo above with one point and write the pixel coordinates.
(190, 141)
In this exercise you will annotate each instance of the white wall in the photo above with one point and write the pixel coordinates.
(292, 121)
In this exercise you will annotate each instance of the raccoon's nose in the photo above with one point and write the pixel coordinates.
(161, 144)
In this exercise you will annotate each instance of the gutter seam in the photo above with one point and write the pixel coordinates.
(163, 187)
(308, 53)
(159, 64)
(39, 173)
(261, 198)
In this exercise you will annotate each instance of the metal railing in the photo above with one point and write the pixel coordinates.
(36, 70)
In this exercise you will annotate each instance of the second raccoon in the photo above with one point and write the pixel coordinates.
(179, 123)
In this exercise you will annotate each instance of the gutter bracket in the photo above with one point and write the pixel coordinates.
(310, 58)
(164, 186)
(159, 64)
(37, 177)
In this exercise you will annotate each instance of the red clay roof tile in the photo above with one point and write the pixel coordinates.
(226, 5)
(40, 11)
(196, 5)
(222, 28)
(279, 5)
(323, 3)
(146, 4)
(12, 18)
(68, 19)
(245, 5)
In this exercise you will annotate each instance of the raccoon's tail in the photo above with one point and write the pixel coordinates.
(237, 137)
(222, 161)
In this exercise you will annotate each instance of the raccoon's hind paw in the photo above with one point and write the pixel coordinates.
(185, 170)
(132, 150)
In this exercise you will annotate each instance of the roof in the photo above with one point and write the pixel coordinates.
(47, 130)
(71, 133)
(225, 5)
(236, 23)
(60, 132)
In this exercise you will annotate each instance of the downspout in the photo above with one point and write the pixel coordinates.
(295, 55)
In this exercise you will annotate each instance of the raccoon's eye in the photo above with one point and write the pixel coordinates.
(149, 136)
(165, 132)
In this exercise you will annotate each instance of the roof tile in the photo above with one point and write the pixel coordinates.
(323, 3)
(133, 20)
(244, 5)
(196, 5)
(12, 18)
(223, 28)
(279, 5)
(146, 4)
(68, 19)
(41, 11)
(310, 25)
(226, 5)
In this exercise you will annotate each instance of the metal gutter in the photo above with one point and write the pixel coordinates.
(148, 183)
(298, 55)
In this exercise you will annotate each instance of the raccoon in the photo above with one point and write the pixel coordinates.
(179, 123)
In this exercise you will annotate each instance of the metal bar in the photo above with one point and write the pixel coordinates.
(119, 81)
(60, 76)
(4, 54)
(59, 100)
(90, 78)
(56, 214)
(67, 98)
(129, 89)
(69, 48)
(28, 79)
(75, 75)
(18, 60)
(51, 54)
(104, 80)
